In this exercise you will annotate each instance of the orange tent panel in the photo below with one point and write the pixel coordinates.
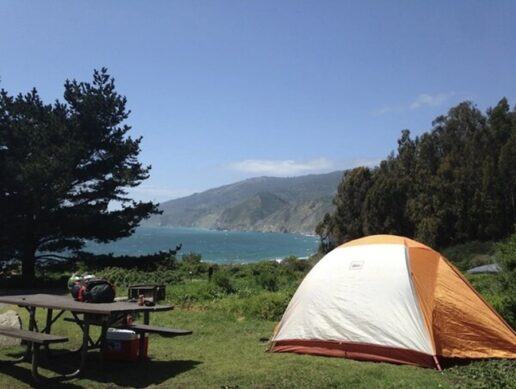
(465, 326)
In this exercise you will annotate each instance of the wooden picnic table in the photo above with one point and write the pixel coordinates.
(105, 315)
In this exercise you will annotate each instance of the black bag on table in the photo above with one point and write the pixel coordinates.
(93, 290)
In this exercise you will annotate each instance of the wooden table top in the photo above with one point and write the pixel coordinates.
(67, 303)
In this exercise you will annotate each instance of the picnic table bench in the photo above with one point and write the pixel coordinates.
(163, 331)
(35, 339)
(32, 336)
(141, 330)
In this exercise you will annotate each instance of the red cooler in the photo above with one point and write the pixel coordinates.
(123, 345)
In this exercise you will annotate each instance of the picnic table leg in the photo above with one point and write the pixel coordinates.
(141, 346)
(34, 369)
(32, 325)
(103, 335)
(49, 321)
(84, 350)
(47, 329)
(146, 321)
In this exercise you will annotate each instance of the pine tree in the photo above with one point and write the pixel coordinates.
(64, 166)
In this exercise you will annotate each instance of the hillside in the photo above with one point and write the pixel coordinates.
(293, 204)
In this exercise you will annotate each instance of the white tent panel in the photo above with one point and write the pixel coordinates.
(359, 294)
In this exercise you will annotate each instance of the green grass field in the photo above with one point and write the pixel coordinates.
(227, 351)
(232, 317)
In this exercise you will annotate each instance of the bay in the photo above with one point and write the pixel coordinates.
(214, 246)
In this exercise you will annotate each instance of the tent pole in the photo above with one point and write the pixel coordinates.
(437, 363)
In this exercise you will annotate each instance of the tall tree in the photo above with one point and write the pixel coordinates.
(424, 207)
(63, 167)
(326, 231)
(385, 207)
(452, 184)
(349, 202)
(502, 181)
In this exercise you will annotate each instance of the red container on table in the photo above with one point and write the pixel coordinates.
(123, 345)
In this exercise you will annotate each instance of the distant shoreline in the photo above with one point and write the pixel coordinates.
(231, 230)
(213, 245)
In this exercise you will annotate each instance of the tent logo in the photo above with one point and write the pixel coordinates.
(356, 265)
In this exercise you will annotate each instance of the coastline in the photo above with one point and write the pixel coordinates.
(213, 245)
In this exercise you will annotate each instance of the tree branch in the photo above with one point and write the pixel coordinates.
(52, 256)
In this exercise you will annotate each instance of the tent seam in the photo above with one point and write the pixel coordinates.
(415, 295)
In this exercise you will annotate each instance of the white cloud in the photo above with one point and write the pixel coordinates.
(157, 193)
(372, 162)
(425, 100)
(421, 101)
(282, 167)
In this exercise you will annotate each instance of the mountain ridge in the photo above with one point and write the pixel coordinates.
(267, 204)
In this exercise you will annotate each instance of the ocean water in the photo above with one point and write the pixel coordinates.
(214, 246)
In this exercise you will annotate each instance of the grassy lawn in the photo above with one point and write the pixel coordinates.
(232, 317)
(229, 352)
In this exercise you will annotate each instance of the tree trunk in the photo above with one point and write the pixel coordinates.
(28, 267)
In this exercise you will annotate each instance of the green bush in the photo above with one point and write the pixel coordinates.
(264, 305)
(223, 280)
(506, 301)
(191, 265)
(88, 262)
(189, 294)
(268, 305)
(314, 259)
(468, 255)
(500, 289)
(268, 281)
(295, 265)
(273, 276)
(486, 374)
(122, 278)
(484, 283)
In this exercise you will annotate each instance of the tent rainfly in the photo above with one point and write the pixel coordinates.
(389, 298)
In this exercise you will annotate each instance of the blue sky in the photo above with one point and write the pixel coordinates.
(225, 90)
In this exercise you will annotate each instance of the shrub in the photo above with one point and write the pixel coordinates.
(314, 259)
(486, 374)
(191, 265)
(268, 281)
(266, 275)
(191, 259)
(295, 265)
(122, 278)
(500, 289)
(190, 294)
(264, 305)
(88, 262)
(471, 254)
(223, 280)
(268, 306)
(506, 257)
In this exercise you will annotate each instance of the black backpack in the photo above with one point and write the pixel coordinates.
(94, 290)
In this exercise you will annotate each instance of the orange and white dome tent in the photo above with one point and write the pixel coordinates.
(389, 298)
